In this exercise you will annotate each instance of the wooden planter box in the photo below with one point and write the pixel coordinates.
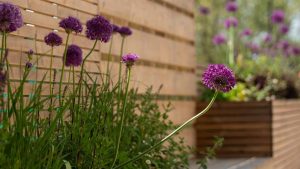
(253, 129)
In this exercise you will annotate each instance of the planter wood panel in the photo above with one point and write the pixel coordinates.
(253, 129)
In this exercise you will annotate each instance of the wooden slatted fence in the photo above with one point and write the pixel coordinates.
(163, 35)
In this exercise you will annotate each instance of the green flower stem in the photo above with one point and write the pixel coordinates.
(108, 59)
(63, 69)
(119, 76)
(231, 46)
(73, 104)
(51, 83)
(82, 67)
(171, 134)
(122, 116)
(2, 47)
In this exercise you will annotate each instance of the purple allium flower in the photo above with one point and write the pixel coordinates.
(99, 28)
(246, 32)
(253, 47)
(71, 24)
(204, 10)
(116, 28)
(53, 39)
(2, 79)
(277, 16)
(130, 59)
(30, 52)
(73, 56)
(231, 6)
(125, 31)
(28, 65)
(268, 38)
(218, 77)
(283, 44)
(284, 29)
(10, 17)
(219, 39)
(229, 22)
(296, 51)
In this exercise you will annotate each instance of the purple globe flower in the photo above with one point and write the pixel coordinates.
(268, 38)
(283, 44)
(231, 22)
(130, 59)
(10, 17)
(116, 28)
(204, 10)
(231, 6)
(2, 79)
(125, 31)
(99, 28)
(28, 65)
(284, 29)
(246, 32)
(71, 24)
(277, 16)
(253, 47)
(30, 52)
(218, 77)
(296, 51)
(219, 39)
(73, 56)
(53, 39)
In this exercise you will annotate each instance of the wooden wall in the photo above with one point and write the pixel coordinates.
(286, 134)
(245, 127)
(163, 35)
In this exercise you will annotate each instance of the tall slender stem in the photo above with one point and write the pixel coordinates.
(73, 104)
(171, 134)
(108, 59)
(63, 69)
(2, 48)
(51, 83)
(119, 76)
(122, 117)
(231, 46)
(82, 67)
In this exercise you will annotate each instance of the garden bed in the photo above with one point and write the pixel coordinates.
(251, 129)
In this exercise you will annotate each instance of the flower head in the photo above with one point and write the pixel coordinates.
(253, 47)
(53, 39)
(277, 16)
(99, 28)
(246, 32)
(219, 39)
(116, 28)
(30, 52)
(218, 77)
(296, 51)
(130, 59)
(204, 10)
(2, 79)
(231, 22)
(125, 31)
(268, 38)
(10, 17)
(283, 44)
(284, 29)
(28, 65)
(231, 6)
(73, 56)
(71, 24)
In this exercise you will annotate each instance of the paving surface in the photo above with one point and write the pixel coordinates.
(242, 163)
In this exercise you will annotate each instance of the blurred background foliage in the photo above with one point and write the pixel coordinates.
(265, 70)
